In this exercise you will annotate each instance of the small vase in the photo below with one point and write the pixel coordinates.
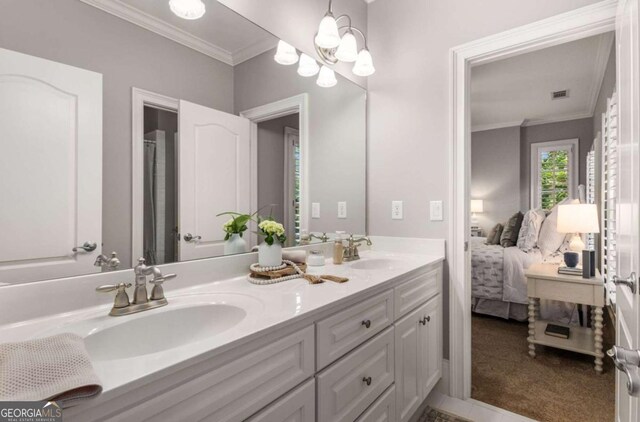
(270, 256)
(235, 245)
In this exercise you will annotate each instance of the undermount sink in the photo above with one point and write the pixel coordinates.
(374, 264)
(185, 320)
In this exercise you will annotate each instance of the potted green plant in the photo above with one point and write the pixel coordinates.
(270, 250)
(234, 228)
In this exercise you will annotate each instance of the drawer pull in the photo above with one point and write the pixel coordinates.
(423, 321)
(366, 323)
(367, 380)
(429, 318)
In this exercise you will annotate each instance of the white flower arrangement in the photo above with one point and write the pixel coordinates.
(272, 231)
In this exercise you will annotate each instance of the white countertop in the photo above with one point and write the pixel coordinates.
(268, 308)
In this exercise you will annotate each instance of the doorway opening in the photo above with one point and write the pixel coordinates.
(161, 234)
(572, 26)
(278, 146)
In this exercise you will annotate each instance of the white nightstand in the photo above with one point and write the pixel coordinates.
(544, 282)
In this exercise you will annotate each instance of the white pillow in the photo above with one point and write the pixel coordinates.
(550, 240)
(530, 230)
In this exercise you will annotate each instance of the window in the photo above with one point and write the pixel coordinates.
(553, 172)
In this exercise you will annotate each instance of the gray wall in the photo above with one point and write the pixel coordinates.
(271, 164)
(495, 174)
(74, 33)
(337, 136)
(581, 129)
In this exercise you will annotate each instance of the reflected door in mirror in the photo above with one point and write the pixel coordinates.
(215, 175)
(50, 168)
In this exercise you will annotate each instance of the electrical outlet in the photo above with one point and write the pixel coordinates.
(396, 210)
(342, 210)
(435, 210)
(315, 210)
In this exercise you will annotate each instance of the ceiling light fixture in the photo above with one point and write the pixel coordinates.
(308, 66)
(286, 54)
(331, 48)
(187, 9)
(326, 78)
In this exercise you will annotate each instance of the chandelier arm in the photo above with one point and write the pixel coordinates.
(353, 28)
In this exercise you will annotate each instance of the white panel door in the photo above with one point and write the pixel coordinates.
(627, 215)
(215, 173)
(431, 345)
(408, 365)
(50, 168)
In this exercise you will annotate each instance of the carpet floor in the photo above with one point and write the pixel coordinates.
(556, 386)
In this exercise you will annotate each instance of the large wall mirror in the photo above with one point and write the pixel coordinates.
(128, 130)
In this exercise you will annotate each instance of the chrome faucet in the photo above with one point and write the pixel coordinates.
(351, 250)
(107, 263)
(141, 301)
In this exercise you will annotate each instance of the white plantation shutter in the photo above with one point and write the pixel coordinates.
(609, 194)
(591, 193)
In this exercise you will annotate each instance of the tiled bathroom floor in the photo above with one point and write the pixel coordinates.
(473, 409)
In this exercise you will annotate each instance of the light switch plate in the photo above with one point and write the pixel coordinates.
(342, 210)
(435, 210)
(315, 210)
(396, 210)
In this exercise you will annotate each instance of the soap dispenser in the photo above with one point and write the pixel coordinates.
(338, 248)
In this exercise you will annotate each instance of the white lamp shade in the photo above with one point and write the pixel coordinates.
(326, 78)
(477, 205)
(308, 66)
(578, 218)
(187, 9)
(348, 48)
(328, 35)
(286, 54)
(364, 64)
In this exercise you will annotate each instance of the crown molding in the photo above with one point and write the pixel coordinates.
(492, 126)
(557, 119)
(253, 50)
(160, 27)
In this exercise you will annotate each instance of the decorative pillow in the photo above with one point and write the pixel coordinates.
(549, 239)
(493, 238)
(530, 230)
(511, 230)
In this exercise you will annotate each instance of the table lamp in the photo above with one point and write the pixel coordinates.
(477, 206)
(578, 219)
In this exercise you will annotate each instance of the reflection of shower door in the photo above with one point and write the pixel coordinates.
(50, 168)
(215, 172)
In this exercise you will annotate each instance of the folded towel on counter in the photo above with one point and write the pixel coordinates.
(295, 256)
(56, 368)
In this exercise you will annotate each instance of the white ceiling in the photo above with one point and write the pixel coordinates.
(517, 91)
(220, 33)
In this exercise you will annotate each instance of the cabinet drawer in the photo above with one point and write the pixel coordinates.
(416, 291)
(297, 406)
(383, 409)
(347, 329)
(237, 389)
(343, 393)
(566, 292)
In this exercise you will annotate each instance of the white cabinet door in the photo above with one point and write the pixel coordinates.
(628, 198)
(297, 406)
(408, 365)
(215, 173)
(431, 345)
(50, 168)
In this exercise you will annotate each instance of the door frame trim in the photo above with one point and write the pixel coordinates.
(285, 107)
(139, 99)
(570, 26)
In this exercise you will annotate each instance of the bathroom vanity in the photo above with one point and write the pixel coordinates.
(227, 350)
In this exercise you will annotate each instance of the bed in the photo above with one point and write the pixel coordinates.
(499, 286)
